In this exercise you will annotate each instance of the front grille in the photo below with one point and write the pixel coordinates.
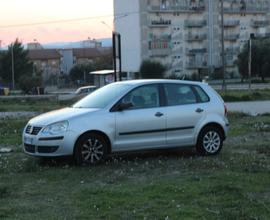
(29, 148)
(47, 149)
(33, 130)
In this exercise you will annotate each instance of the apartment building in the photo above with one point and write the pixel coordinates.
(186, 35)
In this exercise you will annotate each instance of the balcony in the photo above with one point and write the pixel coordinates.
(259, 23)
(230, 50)
(229, 23)
(246, 10)
(196, 64)
(227, 63)
(160, 52)
(159, 23)
(266, 35)
(195, 23)
(182, 8)
(155, 37)
(194, 51)
(229, 36)
(195, 37)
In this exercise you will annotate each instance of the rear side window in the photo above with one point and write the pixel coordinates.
(202, 94)
(178, 94)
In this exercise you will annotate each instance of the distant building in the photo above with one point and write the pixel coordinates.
(91, 44)
(34, 46)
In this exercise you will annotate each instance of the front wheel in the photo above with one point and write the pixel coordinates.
(91, 149)
(210, 141)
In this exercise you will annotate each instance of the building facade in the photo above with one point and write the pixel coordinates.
(186, 35)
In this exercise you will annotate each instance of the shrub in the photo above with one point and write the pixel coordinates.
(245, 98)
(152, 70)
(26, 83)
(230, 98)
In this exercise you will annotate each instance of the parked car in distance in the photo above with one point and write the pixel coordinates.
(86, 90)
(129, 116)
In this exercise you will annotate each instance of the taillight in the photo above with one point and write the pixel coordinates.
(225, 109)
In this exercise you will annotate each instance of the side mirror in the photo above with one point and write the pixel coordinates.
(125, 105)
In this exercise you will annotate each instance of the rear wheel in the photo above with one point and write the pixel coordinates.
(210, 141)
(91, 149)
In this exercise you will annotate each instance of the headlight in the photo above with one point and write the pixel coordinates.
(56, 127)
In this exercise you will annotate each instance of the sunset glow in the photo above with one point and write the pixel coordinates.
(86, 16)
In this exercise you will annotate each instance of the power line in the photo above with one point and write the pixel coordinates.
(61, 21)
(52, 22)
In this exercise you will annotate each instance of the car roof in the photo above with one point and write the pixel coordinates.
(85, 87)
(147, 81)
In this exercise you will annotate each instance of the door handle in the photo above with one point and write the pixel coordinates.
(199, 110)
(159, 114)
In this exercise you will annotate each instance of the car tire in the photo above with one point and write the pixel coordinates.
(210, 141)
(90, 149)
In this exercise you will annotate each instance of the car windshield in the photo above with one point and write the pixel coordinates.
(101, 97)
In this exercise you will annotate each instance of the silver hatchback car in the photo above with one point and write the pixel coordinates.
(129, 116)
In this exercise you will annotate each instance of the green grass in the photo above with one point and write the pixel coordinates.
(177, 183)
(35, 105)
(244, 95)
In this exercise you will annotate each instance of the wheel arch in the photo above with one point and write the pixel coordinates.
(103, 135)
(212, 124)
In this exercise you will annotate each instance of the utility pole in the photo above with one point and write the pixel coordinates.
(222, 42)
(84, 63)
(249, 62)
(12, 60)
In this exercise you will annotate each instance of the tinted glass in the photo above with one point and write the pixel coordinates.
(143, 97)
(202, 94)
(178, 94)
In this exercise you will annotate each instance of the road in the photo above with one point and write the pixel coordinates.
(253, 108)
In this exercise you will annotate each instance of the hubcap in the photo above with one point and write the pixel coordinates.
(92, 150)
(211, 142)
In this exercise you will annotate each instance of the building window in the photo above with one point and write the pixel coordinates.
(53, 63)
(74, 60)
(43, 63)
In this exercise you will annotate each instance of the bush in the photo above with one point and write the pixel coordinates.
(26, 83)
(152, 70)
(245, 98)
(230, 98)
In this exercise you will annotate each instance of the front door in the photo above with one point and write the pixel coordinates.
(143, 125)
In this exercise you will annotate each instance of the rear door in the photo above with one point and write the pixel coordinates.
(184, 113)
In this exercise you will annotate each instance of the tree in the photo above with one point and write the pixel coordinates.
(22, 63)
(260, 59)
(77, 73)
(105, 61)
(152, 70)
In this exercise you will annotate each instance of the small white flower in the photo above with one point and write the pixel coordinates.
(82, 182)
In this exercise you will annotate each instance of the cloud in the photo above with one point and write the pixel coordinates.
(59, 31)
(42, 30)
(75, 33)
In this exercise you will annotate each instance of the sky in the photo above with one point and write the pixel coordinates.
(22, 13)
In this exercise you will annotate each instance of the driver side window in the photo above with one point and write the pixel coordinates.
(143, 97)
